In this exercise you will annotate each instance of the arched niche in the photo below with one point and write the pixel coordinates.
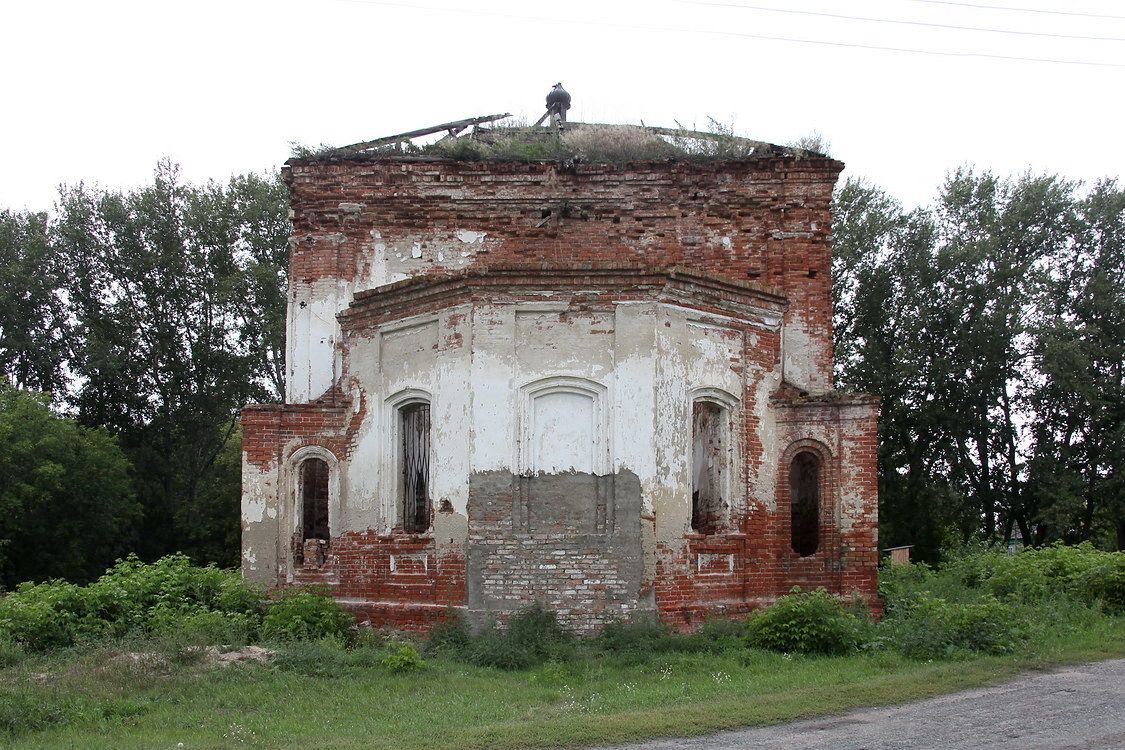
(563, 427)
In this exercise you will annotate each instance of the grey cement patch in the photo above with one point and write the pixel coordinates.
(570, 541)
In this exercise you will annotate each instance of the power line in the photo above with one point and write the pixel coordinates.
(737, 34)
(1019, 10)
(871, 19)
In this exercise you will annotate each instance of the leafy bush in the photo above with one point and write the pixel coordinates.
(303, 614)
(1033, 575)
(131, 592)
(931, 627)
(132, 597)
(1105, 582)
(49, 615)
(804, 622)
(450, 637)
(402, 657)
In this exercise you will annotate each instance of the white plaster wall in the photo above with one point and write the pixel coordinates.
(647, 359)
(312, 365)
(310, 339)
(260, 521)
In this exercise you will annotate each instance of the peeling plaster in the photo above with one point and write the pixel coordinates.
(469, 237)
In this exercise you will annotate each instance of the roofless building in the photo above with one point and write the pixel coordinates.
(586, 366)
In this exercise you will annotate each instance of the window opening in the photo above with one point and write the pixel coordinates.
(415, 452)
(314, 499)
(709, 465)
(804, 496)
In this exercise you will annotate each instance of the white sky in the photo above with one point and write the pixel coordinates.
(100, 90)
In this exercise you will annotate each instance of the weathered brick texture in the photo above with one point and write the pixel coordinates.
(379, 241)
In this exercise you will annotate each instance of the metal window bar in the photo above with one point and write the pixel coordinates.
(415, 430)
(314, 499)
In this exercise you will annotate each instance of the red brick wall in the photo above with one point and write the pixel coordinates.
(763, 223)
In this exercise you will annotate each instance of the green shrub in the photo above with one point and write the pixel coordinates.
(132, 591)
(44, 616)
(303, 614)
(804, 622)
(203, 627)
(1034, 575)
(402, 657)
(450, 638)
(1104, 581)
(132, 597)
(933, 628)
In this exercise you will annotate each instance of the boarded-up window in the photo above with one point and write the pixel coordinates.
(563, 432)
(314, 499)
(804, 495)
(710, 456)
(414, 451)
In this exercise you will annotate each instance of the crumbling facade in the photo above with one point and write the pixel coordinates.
(605, 388)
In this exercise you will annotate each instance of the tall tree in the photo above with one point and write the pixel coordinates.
(964, 318)
(175, 293)
(33, 325)
(1077, 489)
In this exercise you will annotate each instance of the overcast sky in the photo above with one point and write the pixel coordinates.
(99, 90)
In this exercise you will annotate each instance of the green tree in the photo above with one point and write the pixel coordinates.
(33, 325)
(991, 325)
(177, 295)
(67, 509)
(1076, 485)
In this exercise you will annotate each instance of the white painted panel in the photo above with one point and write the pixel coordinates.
(564, 433)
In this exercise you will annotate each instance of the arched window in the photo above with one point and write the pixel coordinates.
(804, 498)
(414, 459)
(314, 499)
(563, 427)
(710, 459)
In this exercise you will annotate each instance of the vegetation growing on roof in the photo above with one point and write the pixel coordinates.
(599, 144)
(514, 140)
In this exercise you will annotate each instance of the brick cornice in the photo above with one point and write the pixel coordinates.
(606, 282)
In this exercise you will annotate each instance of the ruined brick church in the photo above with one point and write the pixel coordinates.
(604, 387)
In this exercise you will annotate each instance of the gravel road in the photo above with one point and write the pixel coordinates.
(1074, 708)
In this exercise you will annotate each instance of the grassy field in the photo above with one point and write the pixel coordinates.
(95, 698)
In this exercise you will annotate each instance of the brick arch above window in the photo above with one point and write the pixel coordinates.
(826, 500)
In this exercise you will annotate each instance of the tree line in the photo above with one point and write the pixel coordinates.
(134, 325)
(149, 317)
(992, 323)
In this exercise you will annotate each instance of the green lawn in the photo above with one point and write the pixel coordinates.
(93, 699)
